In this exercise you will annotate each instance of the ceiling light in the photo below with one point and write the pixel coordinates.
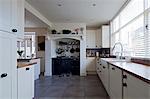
(59, 5)
(94, 5)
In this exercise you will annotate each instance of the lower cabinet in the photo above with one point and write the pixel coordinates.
(90, 65)
(36, 68)
(98, 67)
(119, 84)
(115, 82)
(134, 88)
(105, 75)
(26, 82)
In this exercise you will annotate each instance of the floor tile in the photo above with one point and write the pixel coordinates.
(73, 87)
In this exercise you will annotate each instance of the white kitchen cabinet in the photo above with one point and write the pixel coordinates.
(135, 88)
(105, 75)
(8, 66)
(105, 36)
(98, 67)
(6, 17)
(36, 68)
(12, 16)
(90, 39)
(90, 65)
(20, 19)
(115, 82)
(26, 82)
(98, 38)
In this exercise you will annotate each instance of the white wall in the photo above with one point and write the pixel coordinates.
(49, 47)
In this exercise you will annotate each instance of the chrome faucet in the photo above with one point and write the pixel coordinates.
(119, 43)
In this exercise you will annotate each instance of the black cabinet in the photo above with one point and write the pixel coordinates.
(65, 66)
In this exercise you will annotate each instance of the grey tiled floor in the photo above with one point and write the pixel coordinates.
(74, 87)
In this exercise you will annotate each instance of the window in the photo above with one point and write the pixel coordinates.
(115, 24)
(133, 9)
(133, 28)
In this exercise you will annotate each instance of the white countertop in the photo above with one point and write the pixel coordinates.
(134, 68)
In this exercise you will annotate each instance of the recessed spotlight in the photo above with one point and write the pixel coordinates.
(94, 5)
(59, 5)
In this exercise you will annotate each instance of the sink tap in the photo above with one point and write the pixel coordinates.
(119, 43)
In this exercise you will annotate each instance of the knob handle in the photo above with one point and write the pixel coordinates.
(3, 75)
(14, 30)
(27, 68)
(124, 84)
(113, 68)
(125, 76)
(104, 67)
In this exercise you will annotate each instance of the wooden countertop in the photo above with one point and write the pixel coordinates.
(25, 64)
(138, 70)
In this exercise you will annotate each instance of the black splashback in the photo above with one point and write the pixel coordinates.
(102, 52)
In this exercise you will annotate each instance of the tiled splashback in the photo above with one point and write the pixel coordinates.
(98, 52)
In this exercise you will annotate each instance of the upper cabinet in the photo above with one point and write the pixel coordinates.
(105, 36)
(6, 15)
(98, 38)
(20, 18)
(12, 17)
(93, 38)
(90, 39)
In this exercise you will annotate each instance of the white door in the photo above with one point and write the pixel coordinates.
(7, 65)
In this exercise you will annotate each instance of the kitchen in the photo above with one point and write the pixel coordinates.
(66, 49)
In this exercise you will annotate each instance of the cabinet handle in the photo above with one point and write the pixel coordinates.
(3, 75)
(104, 67)
(124, 84)
(27, 68)
(113, 68)
(14, 30)
(125, 76)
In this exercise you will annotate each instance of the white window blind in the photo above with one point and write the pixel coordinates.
(134, 28)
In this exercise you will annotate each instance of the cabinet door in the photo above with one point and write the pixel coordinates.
(98, 39)
(91, 66)
(8, 75)
(105, 77)
(115, 82)
(136, 88)
(25, 83)
(20, 19)
(90, 39)
(105, 37)
(6, 15)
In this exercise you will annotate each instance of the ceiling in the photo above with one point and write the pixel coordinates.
(92, 12)
(33, 21)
